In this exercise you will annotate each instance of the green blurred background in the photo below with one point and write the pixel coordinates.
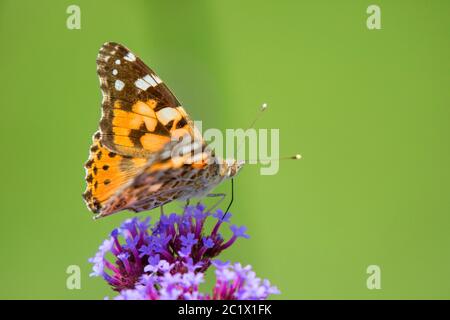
(368, 110)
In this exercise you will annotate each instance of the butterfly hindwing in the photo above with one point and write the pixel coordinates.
(106, 173)
(140, 113)
(164, 178)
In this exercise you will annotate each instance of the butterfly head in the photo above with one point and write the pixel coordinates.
(231, 167)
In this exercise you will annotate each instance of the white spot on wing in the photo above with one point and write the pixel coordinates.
(130, 57)
(150, 80)
(166, 115)
(147, 81)
(114, 72)
(157, 79)
(119, 85)
(117, 61)
(141, 84)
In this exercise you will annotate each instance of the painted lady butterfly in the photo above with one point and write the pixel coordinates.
(131, 164)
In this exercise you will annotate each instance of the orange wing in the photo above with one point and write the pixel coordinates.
(140, 113)
(106, 173)
(166, 176)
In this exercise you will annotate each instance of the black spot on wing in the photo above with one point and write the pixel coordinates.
(135, 137)
(89, 163)
(181, 123)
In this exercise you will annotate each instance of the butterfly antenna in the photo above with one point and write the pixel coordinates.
(294, 157)
(258, 115)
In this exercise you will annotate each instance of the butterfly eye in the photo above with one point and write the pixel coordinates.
(236, 167)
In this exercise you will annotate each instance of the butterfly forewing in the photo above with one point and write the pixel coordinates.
(140, 113)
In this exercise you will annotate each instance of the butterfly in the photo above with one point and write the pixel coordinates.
(147, 151)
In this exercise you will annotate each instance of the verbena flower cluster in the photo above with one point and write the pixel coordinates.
(169, 259)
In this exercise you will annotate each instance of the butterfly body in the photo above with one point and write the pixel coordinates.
(140, 158)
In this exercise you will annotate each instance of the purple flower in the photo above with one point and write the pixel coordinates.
(168, 260)
(219, 215)
(208, 242)
(233, 282)
(189, 240)
(239, 231)
(136, 247)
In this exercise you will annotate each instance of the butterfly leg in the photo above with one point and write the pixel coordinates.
(162, 210)
(215, 195)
